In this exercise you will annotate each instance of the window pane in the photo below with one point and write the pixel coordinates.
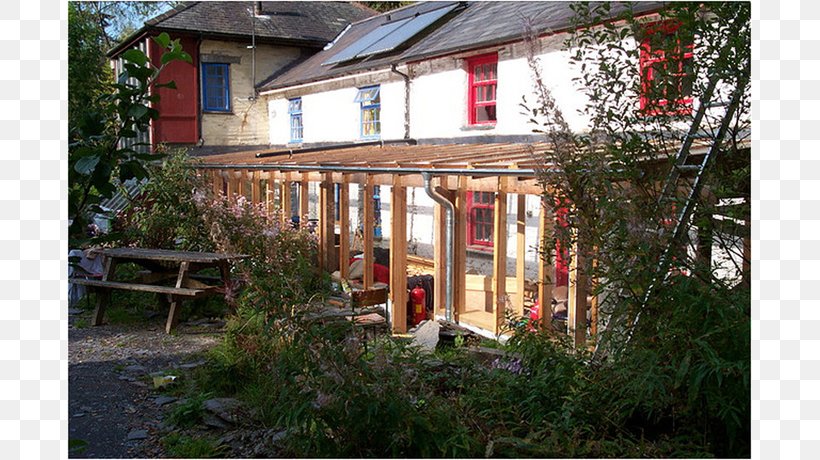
(485, 113)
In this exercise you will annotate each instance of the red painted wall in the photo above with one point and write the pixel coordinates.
(178, 108)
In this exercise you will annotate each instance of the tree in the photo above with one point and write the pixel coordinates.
(116, 20)
(685, 337)
(98, 157)
(383, 7)
(89, 76)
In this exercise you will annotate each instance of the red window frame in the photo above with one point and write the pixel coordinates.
(650, 58)
(485, 83)
(480, 215)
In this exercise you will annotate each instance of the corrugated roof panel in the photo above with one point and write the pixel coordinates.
(406, 32)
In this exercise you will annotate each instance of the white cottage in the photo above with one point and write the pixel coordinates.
(418, 110)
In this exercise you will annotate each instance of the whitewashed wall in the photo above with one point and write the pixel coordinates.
(438, 99)
(332, 116)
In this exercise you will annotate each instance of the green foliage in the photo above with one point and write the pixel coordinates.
(676, 373)
(165, 215)
(89, 75)
(383, 7)
(189, 412)
(102, 149)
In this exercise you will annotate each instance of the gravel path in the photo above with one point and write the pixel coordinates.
(113, 409)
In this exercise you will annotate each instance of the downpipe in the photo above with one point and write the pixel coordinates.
(449, 231)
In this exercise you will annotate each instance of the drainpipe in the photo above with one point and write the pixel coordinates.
(406, 100)
(449, 230)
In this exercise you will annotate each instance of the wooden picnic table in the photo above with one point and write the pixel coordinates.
(161, 265)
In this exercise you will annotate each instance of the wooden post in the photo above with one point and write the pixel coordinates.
(243, 178)
(546, 263)
(232, 185)
(520, 253)
(500, 253)
(460, 249)
(439, 270)
(704, 223)
(327, 234)
(304, 200)
(255, 187)
(217, 182)
(104, 294)
(398, 255)
(593, 307)
(368, 228)
(270, 193)
(285, 197)
(577, 308)
(344, 227)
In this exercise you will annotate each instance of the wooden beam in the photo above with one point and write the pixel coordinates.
(367, 238)
(398, 255)
(578, 291)
(344, 228)
(546, 262)
(500, 253)
(520, 252)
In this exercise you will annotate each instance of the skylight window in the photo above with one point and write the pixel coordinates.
(390, 36)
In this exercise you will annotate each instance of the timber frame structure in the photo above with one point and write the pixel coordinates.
(503, 169)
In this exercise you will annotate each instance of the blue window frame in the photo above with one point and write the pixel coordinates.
(216, 87)
(371, 112)
(295, 111)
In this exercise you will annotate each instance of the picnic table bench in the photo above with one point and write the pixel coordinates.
(160, 265)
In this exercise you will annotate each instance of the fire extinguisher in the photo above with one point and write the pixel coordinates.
(417, 298)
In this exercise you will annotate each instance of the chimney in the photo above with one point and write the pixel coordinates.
(257, 8)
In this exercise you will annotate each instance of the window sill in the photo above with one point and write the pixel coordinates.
(483, 127)
(477, 250)
(217, 112)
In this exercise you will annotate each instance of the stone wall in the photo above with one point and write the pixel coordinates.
(247, 122)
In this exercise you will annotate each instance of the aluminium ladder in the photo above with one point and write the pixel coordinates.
(683, 217)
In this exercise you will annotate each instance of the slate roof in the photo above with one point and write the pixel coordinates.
(473, 26)
(303, 23)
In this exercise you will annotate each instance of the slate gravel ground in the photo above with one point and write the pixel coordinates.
(114, 410)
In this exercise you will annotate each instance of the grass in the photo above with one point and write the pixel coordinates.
(190, 412)
(184, 446)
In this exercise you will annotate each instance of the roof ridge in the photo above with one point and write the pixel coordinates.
(418, 4)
